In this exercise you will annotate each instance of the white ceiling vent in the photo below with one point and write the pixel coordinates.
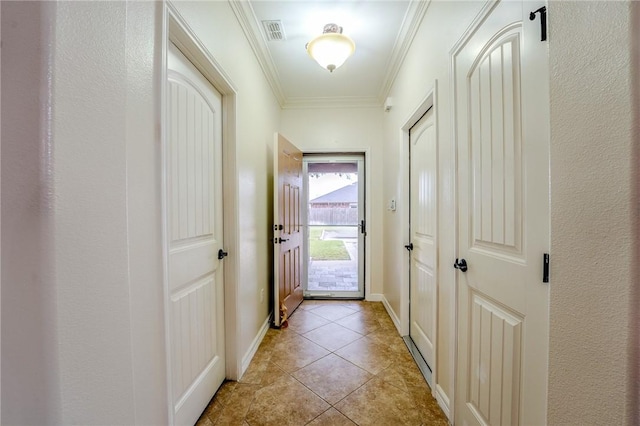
(274, 30)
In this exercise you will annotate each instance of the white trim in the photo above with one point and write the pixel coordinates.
(253, 32)
(427, 102)
(177, 31)
(372, 297)
(443, 400)
(375, 297)
(410, 25)
(333, 102)
(392, 314)
(256, 39)
(253, 348)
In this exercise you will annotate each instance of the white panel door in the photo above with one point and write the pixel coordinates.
(501, 106)
(194, 221)
(423, 291)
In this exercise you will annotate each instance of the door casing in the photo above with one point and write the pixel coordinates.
(429, 101)
(360, 159)
(176, 31)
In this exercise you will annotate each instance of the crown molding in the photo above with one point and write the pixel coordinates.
(410, 24)
(333, 102)
(252, 31)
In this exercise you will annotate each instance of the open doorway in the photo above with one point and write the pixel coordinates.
(335, 226)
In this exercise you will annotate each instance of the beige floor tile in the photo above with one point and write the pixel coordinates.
(211, 413)
(386, 337)
(368, 354)
(238, 404)
(333, 312)
(303, 321)
(332, 336)
(332, 377)
(379, 403)
(296, 353)
(293, 380)
(331, 417)
(360, 322)
(285, 402)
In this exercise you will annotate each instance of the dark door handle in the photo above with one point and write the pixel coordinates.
(461, 264)
(282, 240)
(222, 254)
(409, 246)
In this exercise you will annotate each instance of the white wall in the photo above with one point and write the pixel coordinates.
(592, 244)
(82, 305)
(592, 252)
(30, 391)
(258, 118)
(348, 130)
(427, 61)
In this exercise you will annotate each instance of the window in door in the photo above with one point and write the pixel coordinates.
(335, 226)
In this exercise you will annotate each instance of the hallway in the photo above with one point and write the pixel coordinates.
(337, 363)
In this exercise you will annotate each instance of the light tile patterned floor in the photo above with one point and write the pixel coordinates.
(338, 363)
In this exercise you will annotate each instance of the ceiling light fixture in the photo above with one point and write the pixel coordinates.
(331, 48)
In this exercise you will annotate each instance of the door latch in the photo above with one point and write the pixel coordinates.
(461, 264)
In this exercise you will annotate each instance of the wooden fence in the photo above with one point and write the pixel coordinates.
(333, 216)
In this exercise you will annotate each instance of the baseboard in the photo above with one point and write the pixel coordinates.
(255, 344)
(392, 313)
(375, 297)
(443, 401)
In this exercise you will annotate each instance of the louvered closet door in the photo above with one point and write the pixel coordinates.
(194, 216)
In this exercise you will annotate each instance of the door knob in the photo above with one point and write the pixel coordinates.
(461, 264)
(222, 254)
(409, 246)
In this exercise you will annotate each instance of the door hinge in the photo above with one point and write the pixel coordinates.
(545, 268)
(543, 21)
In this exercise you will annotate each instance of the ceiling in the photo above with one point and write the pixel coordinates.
(381, 29)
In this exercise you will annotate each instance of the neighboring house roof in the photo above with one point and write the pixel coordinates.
(346, 194)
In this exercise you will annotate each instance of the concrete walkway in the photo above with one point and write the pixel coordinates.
(336, 275)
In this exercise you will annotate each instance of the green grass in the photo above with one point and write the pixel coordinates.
(325, 249)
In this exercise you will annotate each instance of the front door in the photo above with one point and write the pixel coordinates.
(287, 236)
(423, 274)
(335, 225)
(502, 118)
(193, 168)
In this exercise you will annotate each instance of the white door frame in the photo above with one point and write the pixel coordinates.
(360, 159)
(367, 212)
(430, 100)
(427, 102)
(175, 30)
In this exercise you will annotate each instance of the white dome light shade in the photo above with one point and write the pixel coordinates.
(332, 48)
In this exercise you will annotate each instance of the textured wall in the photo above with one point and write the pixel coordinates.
(30, 392)
(258, 117)
(591, 242)
(426, 62)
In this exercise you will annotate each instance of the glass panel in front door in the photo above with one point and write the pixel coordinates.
(334, 240)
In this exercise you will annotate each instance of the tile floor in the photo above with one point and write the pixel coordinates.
(337, 363)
